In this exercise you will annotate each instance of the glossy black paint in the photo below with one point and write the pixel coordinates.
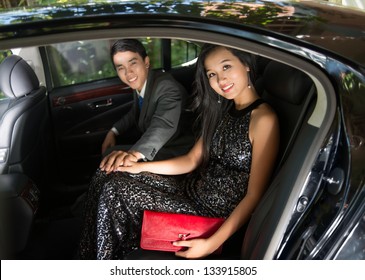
(323, 25)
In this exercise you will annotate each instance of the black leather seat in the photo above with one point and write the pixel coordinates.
(23, 116)
(293, 96)
(290, 92)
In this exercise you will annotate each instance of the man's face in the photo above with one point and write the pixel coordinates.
(131, 68)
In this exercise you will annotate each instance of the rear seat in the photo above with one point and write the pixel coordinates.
(291, 93)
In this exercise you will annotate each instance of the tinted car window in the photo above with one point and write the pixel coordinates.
(3, 55)
(79, 62)
(183, 52)
(85, 61)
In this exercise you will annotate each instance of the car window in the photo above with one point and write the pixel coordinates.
(77, 62)
(85, 61)
(183, 53)
(3, 55)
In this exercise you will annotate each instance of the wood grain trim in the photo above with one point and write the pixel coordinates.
(90, 94)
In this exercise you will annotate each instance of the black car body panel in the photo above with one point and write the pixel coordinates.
(322, 25)
(312, 218)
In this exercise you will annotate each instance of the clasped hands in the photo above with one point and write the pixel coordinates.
(116, 159)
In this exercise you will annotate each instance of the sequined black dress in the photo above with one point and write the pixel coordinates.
(115, 202)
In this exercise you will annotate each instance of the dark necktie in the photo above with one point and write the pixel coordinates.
(140, 101)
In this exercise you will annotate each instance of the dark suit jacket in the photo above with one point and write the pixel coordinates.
(159, 121)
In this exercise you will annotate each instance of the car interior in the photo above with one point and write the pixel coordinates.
(46, 221)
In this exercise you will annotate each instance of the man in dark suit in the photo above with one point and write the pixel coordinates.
(159, 102)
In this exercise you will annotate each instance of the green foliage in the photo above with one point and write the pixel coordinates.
(85, 61)
(3, 55)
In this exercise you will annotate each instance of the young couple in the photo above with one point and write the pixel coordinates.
(224, 174)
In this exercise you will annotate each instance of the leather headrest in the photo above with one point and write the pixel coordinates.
(17, 78)
(286, 83)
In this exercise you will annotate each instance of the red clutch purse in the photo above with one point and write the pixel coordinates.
(160, 229)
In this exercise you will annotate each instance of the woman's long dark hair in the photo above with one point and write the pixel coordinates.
(205, 103)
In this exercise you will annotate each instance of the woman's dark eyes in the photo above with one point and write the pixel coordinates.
(225, 67)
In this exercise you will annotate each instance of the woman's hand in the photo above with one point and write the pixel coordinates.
(196, 248)
(133, 168)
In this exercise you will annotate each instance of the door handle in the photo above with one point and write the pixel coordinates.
(100, 104)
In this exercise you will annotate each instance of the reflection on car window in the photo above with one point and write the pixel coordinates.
(86, 61)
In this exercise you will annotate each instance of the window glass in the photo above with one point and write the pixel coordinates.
(85, 61)
(3, 55)
(183, 52)
(153, 49)
(79, 62)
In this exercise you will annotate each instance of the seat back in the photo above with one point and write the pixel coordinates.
(22, 120)
(289, 91)
(292, 95)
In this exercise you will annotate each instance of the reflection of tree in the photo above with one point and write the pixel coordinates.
(270, 14)
(7, 4)
(353, 106)
(245, 12)
(351, 82)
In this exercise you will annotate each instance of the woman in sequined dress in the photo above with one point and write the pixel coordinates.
(226, 171)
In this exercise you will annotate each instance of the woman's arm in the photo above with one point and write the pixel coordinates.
(264, 134)
(175, 166)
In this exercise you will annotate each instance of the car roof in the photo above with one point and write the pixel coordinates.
(334, 28)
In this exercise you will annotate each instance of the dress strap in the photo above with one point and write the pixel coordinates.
(248, 109)
(254, 105)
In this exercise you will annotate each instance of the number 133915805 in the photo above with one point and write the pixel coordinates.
(235, 270)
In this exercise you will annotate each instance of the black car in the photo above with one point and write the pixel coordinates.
(310, 65)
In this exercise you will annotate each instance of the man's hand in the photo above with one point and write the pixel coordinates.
(109, 141)
(116, 159)
(112, 161)
(133, 157)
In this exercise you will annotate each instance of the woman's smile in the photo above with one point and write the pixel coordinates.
(227, 88)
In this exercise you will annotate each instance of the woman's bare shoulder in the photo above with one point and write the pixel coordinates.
(264, 111)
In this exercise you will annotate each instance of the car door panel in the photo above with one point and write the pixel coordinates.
(82, 115)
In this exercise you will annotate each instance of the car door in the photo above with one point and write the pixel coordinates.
(85, 99)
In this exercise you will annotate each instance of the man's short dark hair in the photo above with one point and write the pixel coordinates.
(124, 45)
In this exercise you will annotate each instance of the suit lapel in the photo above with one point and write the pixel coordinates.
(146, 100)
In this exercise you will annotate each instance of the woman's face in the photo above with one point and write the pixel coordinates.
(131, 68)
(227, 75)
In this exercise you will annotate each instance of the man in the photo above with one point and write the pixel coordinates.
(159, 101)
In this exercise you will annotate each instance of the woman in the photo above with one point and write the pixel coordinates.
(229, 166)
